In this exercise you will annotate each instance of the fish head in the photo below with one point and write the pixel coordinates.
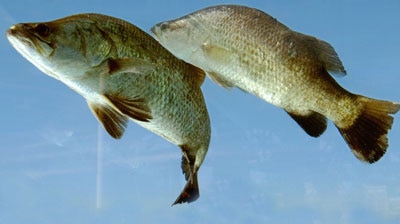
(34, 42)
(64, 48)
(182, 38)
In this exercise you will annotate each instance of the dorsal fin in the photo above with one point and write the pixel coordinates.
(136, 108)
(327, 55)
(113, 121)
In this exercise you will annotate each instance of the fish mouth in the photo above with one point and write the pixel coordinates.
(31, 47)
(22, 36)
(15, 33)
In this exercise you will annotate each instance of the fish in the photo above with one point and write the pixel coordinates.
(124, 74)
(243, 47)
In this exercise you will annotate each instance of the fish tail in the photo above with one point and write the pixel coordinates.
(367, 135)
(191, 191)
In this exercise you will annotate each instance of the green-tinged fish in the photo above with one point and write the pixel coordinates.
(246, 48)
(124, 73)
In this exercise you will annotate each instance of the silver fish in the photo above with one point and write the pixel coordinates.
(246, 48)
(124, 73)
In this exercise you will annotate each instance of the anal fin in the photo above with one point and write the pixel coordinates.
(114, 122)
(313, 123)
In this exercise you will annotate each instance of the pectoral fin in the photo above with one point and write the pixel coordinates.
(125, 65)
(220, 56)
(313, 123)
(113, 121)
(217, 54)
(135, 108)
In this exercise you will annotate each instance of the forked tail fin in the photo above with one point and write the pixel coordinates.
(367, 136)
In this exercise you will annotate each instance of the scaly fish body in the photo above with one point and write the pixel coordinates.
(246, 48)
(124, 73)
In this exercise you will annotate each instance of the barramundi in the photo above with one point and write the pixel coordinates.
(246, 48)
(123, 73)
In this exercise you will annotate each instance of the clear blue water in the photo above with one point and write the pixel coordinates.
(261, 167)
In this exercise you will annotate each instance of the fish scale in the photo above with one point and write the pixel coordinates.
(244, 47)
(123, 73)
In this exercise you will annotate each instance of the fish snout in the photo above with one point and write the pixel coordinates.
(19, 31)
(17, 35)
(11, 31)
(153, 30)
(159, 28)
(168, 26)
(14, 30)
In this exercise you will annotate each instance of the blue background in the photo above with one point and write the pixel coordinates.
(58, 166)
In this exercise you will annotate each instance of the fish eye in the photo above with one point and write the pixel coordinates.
(42, 29)
(163, 26)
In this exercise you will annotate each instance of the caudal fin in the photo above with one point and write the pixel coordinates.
(190, 193)
(367, 136)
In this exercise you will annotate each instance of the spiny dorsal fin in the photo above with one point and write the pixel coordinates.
(327, 55)
(114, 122)
(135, 108)
(313, 123)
